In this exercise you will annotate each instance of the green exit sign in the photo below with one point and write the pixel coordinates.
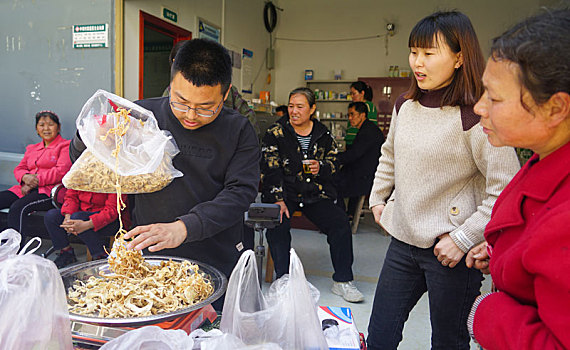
(168, 14)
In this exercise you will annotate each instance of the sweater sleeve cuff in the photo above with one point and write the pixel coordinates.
(375, 200)
(471, 317)
(193, 227)
(465, 239)
(99, 221)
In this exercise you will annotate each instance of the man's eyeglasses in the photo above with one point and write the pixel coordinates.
(202, 112)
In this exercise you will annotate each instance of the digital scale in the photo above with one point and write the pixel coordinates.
(91, 336)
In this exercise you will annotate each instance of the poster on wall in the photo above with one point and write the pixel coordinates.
(247, 71)
(208, 31)
(90, 35)
(235, 54)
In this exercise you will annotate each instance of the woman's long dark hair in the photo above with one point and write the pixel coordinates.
(456, 29)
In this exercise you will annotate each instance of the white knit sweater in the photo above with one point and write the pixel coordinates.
(445, 174)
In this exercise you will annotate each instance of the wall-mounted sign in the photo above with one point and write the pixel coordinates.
(247, 71)
(90, 36)
(169, 14)
(208, 31)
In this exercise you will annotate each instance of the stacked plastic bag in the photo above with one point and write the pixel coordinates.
(33, 305)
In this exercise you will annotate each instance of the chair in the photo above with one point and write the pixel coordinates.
(269, 268)
(58, 195)
(57, 198)
(300, 221)
(359, 210)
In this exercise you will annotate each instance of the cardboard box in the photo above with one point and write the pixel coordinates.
(338, 326)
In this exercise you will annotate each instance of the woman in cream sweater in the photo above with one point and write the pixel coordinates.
(435, 186)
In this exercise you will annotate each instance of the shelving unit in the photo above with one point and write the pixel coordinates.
(334, 119)
(385, 92)
(336, 87)
(337, 106)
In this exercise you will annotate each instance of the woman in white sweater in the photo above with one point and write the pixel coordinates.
(435, 186)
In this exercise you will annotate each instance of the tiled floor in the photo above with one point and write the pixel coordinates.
(369, 249)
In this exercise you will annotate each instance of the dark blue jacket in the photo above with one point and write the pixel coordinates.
(360, 161)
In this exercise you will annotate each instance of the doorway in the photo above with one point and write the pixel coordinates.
(156, 38)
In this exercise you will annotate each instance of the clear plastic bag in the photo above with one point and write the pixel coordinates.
(151, 338)
(230, 341)
(279, 287)
(156, 338)
(288, 319)
(144, 153)
(33, 304)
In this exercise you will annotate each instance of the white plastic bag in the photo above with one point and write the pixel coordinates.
(33, 305)
(156, 338)
(151, 338)
(279, 287)
(144, 149)
(289, 320)
(230, 341)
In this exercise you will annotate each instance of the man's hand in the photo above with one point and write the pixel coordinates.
(479, 258)
(76, 227)
(156, 237)
(283, 210)
(447, 252)
(377, 212)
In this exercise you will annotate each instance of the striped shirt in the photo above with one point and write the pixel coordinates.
(304, 141)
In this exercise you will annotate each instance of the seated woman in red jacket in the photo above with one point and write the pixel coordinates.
(43, 166)
(87, 215)
(527, 104)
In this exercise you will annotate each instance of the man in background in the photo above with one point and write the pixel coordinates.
(360, 160)
(281, 111)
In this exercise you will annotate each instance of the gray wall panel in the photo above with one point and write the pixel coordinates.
(40, 69)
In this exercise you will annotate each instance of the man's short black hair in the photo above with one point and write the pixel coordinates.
(203, 62)
(174, 50)
(283, 109)
(359, 107)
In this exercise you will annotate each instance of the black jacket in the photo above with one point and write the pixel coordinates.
(220, 163)
(281, 165)
(360, 161)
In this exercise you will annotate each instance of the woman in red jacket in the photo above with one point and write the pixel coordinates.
(87, 215)
(43, 166)
(527, 104)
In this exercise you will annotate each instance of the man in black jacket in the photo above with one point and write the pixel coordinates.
(359, 162)
(199, 215)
